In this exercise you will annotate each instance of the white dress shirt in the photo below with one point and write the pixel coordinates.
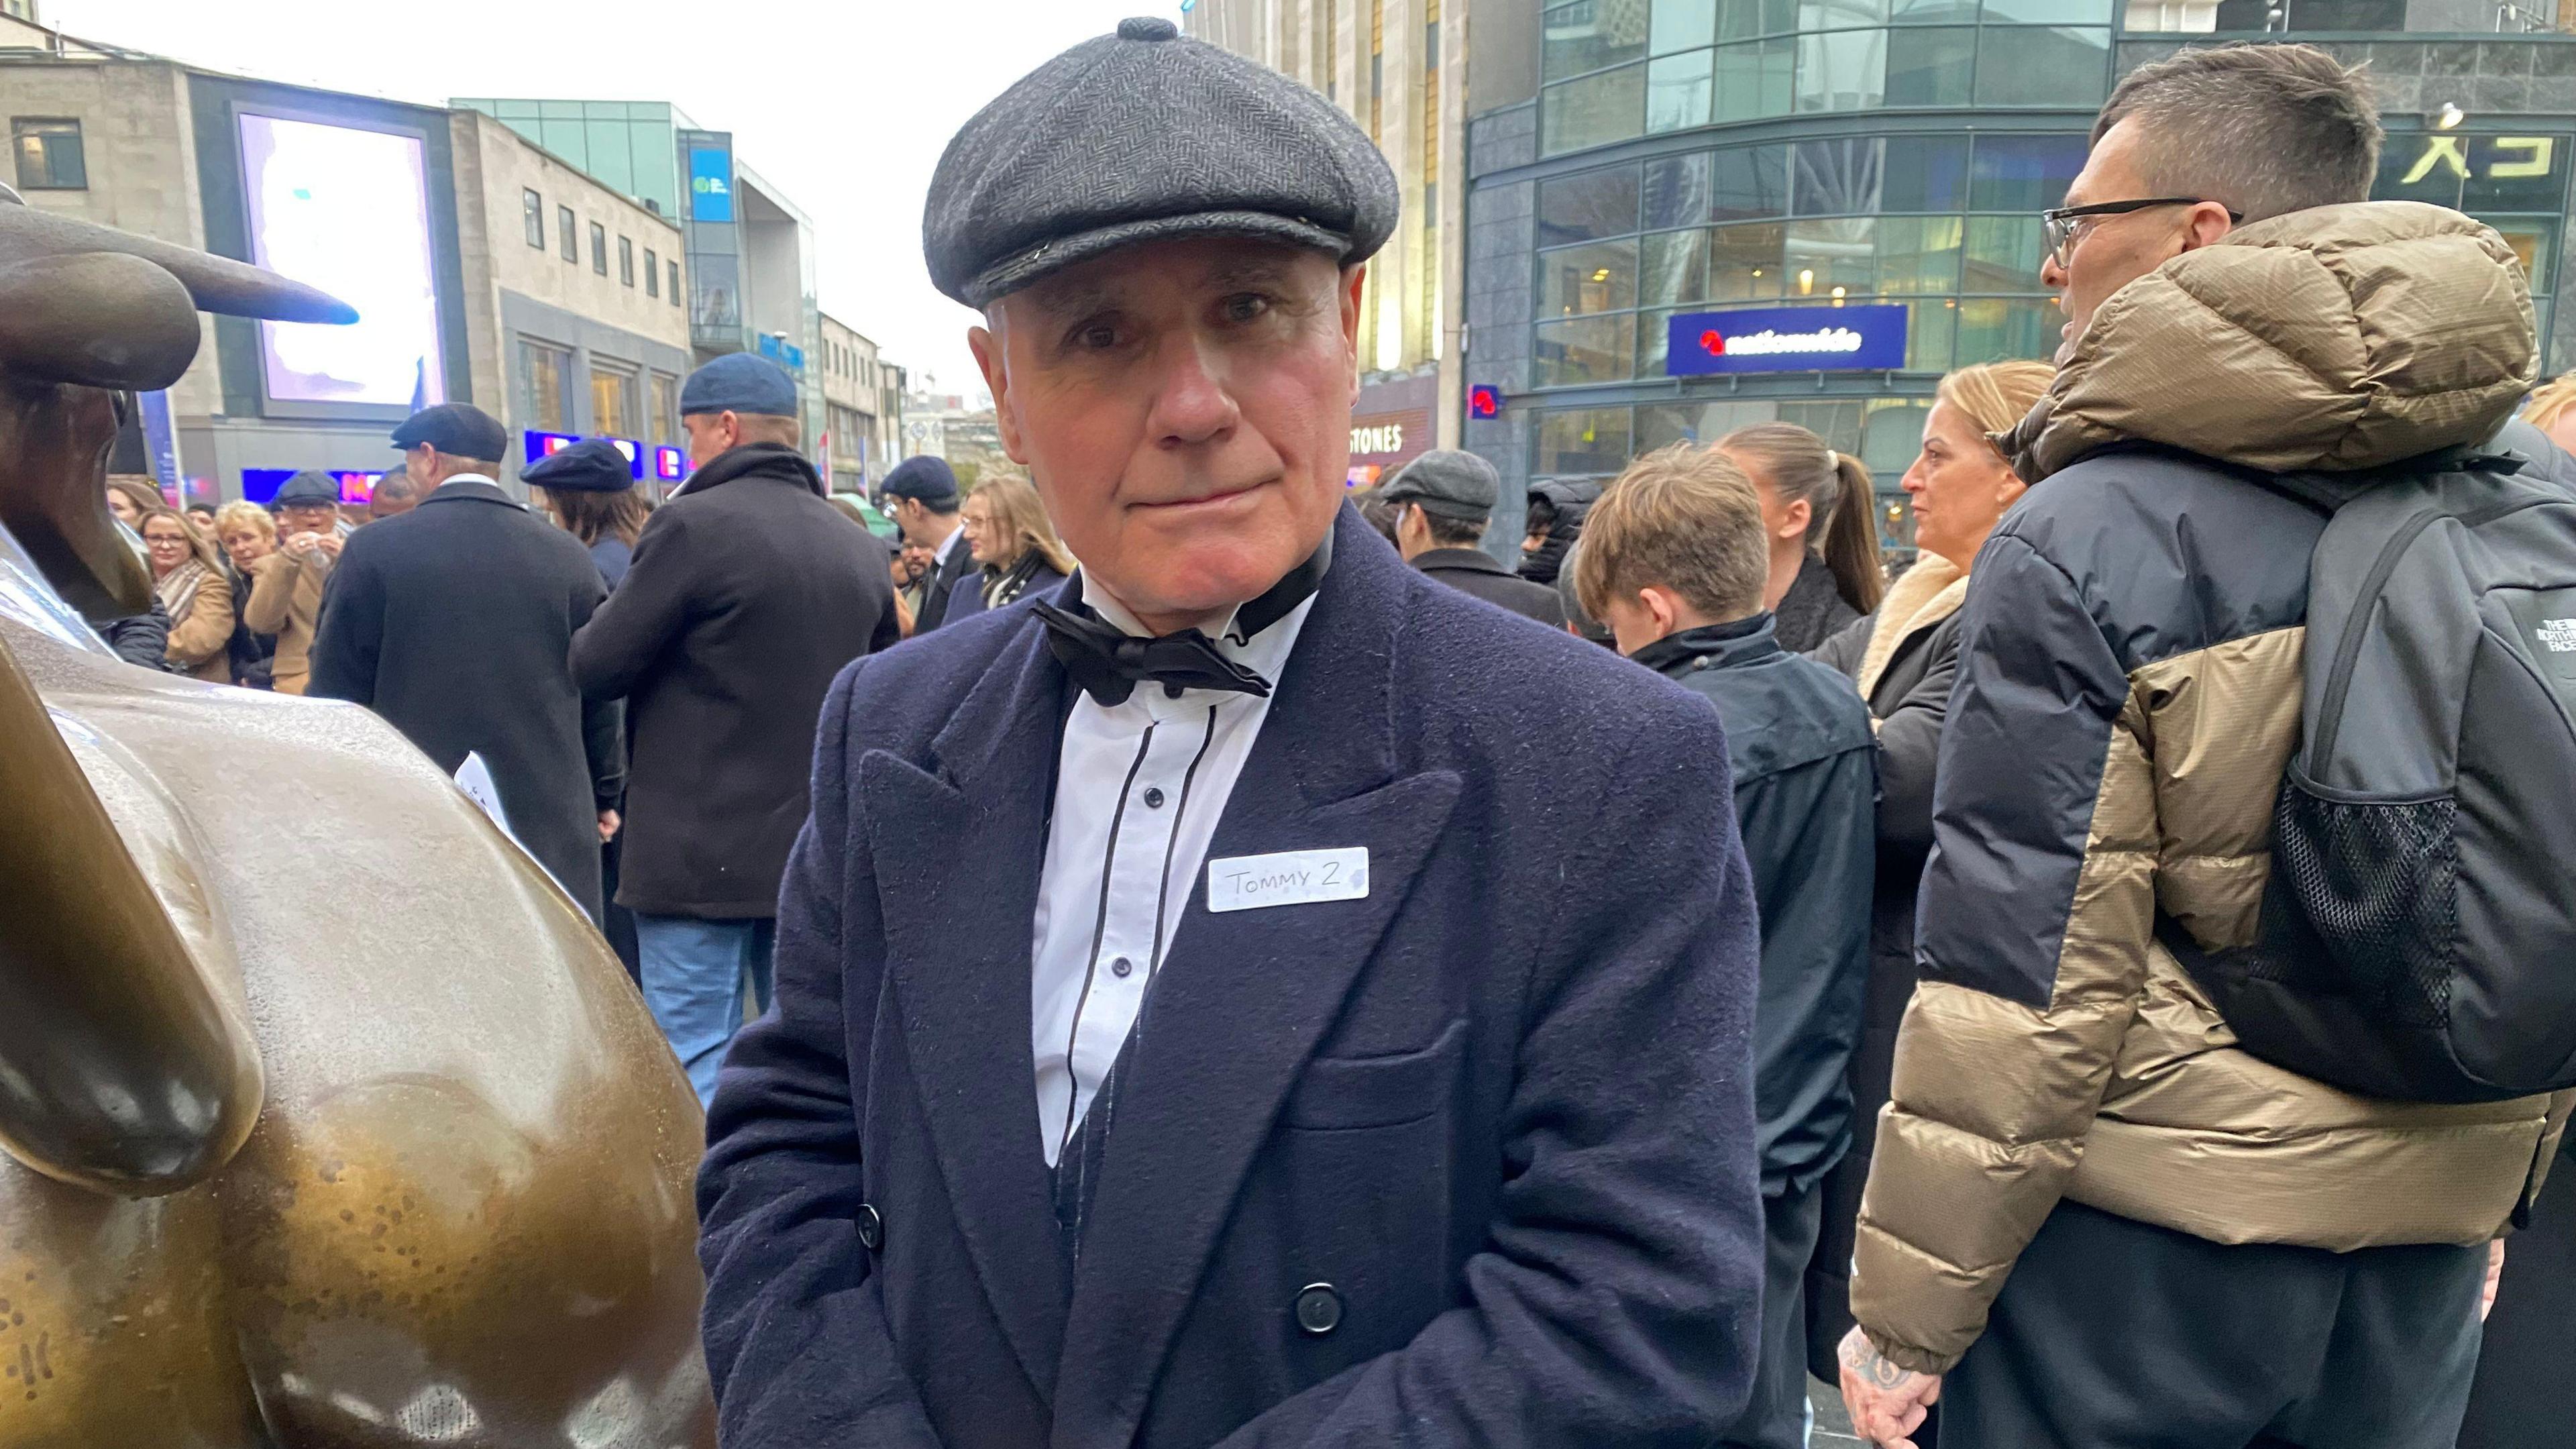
(1139, 789)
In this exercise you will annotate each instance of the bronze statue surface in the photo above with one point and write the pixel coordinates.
(328, 1119)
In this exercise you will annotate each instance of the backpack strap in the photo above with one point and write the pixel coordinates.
(2327, 492)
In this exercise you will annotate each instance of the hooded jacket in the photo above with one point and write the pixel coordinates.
(2128, 697)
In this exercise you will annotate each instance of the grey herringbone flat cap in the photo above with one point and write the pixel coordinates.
(1141, 136)
(1447, 482)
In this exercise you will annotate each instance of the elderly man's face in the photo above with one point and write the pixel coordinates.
(1184, 408)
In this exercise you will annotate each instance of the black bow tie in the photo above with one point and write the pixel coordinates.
(1108, 662)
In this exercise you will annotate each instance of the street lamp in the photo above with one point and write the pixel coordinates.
(2449, 117)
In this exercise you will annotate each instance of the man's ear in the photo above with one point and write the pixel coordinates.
(2209, 223)
(1659, 603)
(988, 348)
(1353, 279)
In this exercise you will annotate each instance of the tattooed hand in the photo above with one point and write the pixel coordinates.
(1887, 1403)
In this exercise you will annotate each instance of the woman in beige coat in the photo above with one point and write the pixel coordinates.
(189, 576)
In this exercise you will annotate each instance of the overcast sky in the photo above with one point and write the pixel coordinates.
(843, 104)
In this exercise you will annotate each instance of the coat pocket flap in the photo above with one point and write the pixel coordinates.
(1380, 1091)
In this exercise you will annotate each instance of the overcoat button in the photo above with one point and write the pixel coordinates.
(871, 1228)
(1319, 1308)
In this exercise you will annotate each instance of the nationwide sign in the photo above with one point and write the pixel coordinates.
(1787, 339)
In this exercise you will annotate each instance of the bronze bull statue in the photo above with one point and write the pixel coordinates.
(328, 1120)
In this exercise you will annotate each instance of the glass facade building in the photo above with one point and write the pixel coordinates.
(750, 251)
(1672, 156)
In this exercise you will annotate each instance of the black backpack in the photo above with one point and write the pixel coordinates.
(2417, 941)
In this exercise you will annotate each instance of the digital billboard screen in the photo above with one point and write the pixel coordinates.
(710, 183)
(346, 210)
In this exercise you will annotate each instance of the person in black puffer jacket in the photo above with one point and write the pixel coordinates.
(1905, 657)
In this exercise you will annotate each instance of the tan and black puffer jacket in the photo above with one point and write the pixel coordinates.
(2128, 698)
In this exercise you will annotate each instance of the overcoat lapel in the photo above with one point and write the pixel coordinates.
(957, 852)
(1242, 998)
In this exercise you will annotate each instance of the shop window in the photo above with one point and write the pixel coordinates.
(1931, 67)
(1744, 262)
(1654, 337)
(1841, 14)
(1594, 111)
(1995, 330)
(1586, 205)
(1678, 92)
(2048, 12)
(2043, 66)
(2313, 14)
(1579, 442)
(545, 397)
(1749, 182)
(1842, 70)
(49, 154)
(1676, 191)
(1756, 79)
(1838, 423)
(1585, 350)
(1673, 268)
(1577, 281)
(1749, 19)
(1930, 329)
(1924, 173)
(1891, 436)
(532, 218)
(666, 408)
(2474, 173)
(1660, 425)
(1682, 25)
(1589, 35)
(1831, 260)
(2002, 254)
(1918, 254)
(612, 402)
(2536, 243)
(2027, 174)
(1834, 178)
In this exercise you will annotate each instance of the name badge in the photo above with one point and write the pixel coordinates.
(1288, 878)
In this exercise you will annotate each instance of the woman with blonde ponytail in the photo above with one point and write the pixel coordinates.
(1816, 505)
(1904, 658)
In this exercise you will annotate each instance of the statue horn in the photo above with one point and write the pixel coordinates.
(217, 284)
(123, 1067)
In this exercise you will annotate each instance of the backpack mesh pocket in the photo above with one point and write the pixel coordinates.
(2376, 884)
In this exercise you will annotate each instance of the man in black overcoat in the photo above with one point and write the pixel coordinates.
(1257, 995)
(454, 620)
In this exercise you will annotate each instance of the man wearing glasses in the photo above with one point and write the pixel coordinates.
(2093, 1219)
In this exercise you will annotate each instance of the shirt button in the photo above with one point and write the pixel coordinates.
(1319, 1308)
(1121, 966)
(1153, 798)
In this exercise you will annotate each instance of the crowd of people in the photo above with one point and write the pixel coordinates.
(1620, 1079)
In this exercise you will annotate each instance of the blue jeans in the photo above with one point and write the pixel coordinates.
(695, 975)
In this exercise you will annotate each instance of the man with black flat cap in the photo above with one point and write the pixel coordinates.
(747, 593)
(1443, 501)
(453, 622)
(1282, 1043)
